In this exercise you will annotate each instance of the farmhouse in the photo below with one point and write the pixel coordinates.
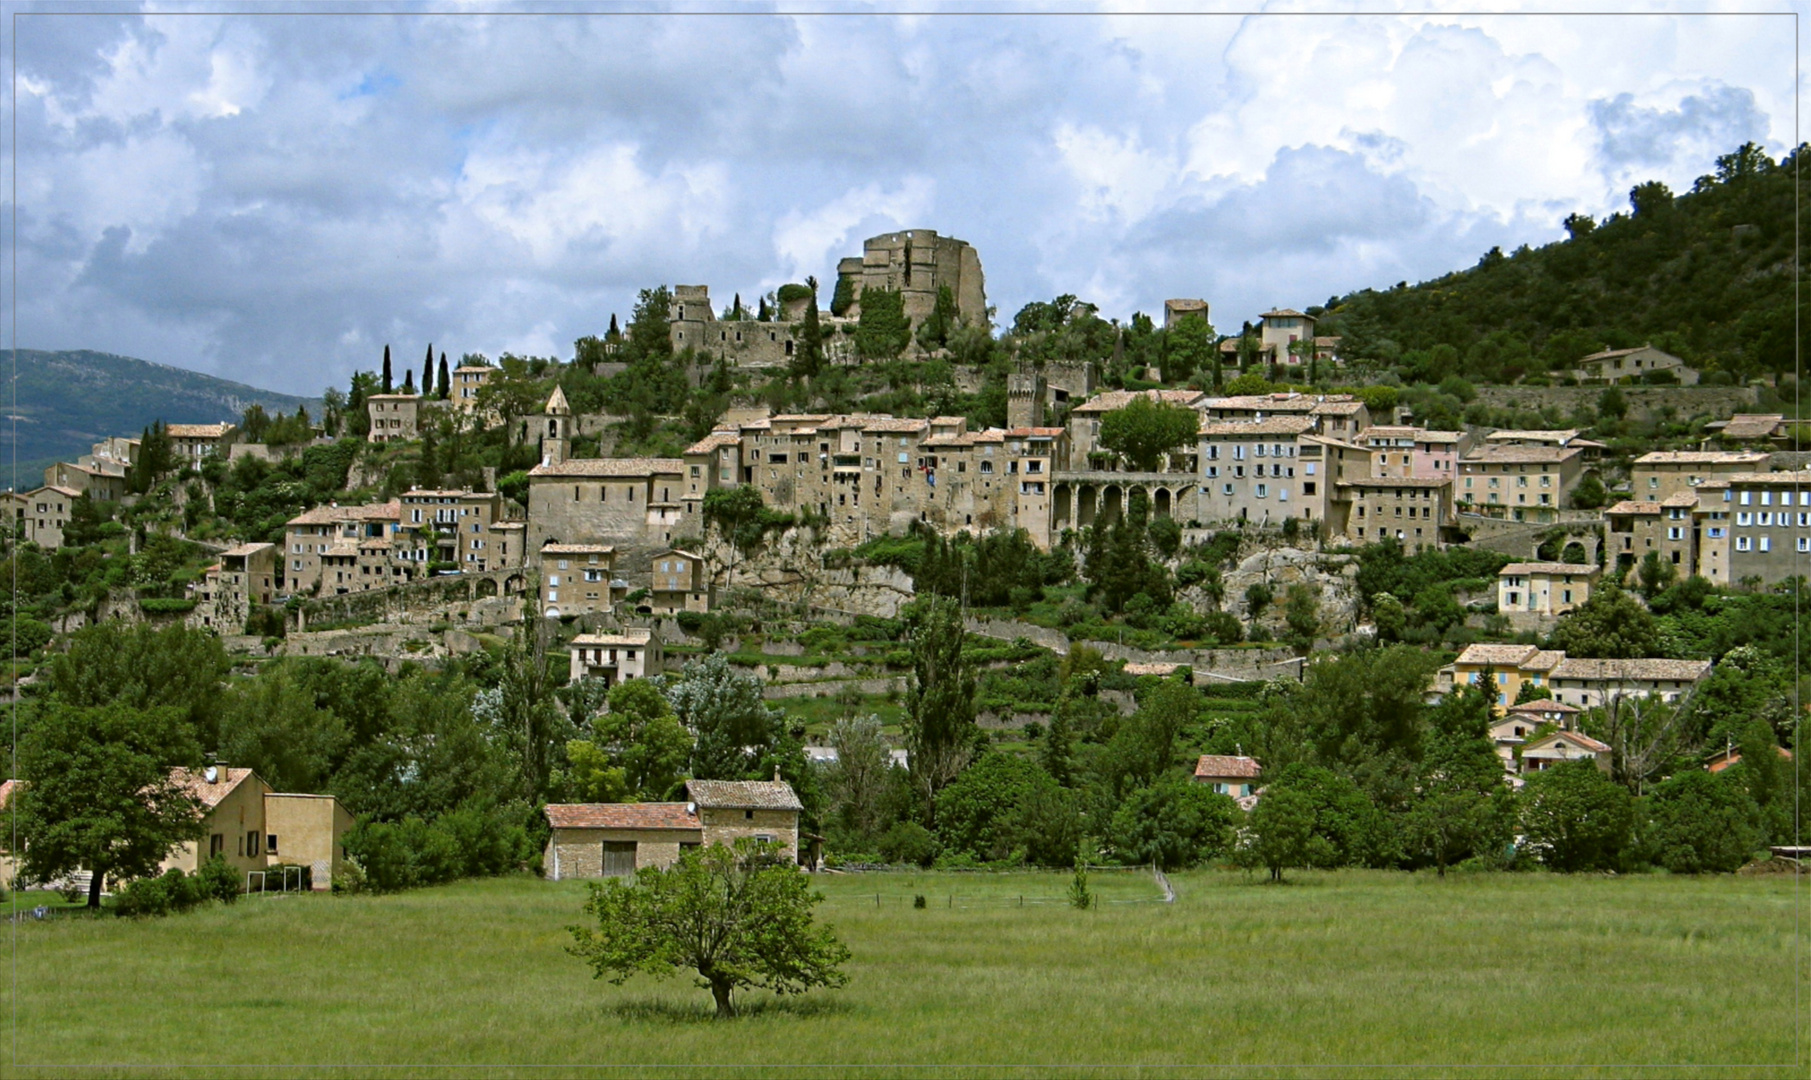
(1630, 365)
(617, 839)
(1559, 747)
(232, 802)
(1235, 776)
(1543, 588)
(634, 653)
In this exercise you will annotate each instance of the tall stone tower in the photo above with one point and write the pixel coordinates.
(917, 263)
(1024, 399)
(555, 423)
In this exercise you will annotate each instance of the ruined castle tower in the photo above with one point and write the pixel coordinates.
(916, 263)
(1025, 399)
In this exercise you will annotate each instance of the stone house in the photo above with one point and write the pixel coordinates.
(468, 379)
(1508, 667)
(1656, 475)
(504, 547)
(246, 577)
(1248, 471)
(1174, 311)
(1753, 431)
(1590, 684)
(1667, 526)
(99, 482)
(1634, 365)
(744, 342)
(1592, 451)
(680, 581)
(308, 831)
(1085, 419)
(1410, 451)
(575, 579)
(394, 417)
(1769, 521)
(1558, 747)
(193, 442)
(1523, 722)
(634, 653)
(1521, 483)
(233, 824)
(1229, 775)
(616, 839)
(625, 502)
(1544, 588)
(451, 526)
(916, 263)
(327, 538)
(40, 516)
(1282, 328)
(1411, 510)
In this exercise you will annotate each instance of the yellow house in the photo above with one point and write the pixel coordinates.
(1543, 588)
(307, 830)
(232, 802)
(1506, 667)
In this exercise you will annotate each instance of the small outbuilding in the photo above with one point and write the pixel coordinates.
(1558, 747)
(616, 839)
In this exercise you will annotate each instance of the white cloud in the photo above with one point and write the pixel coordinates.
(808, 241)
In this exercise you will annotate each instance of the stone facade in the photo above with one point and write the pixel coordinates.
(575, 579)
(394, 417)
(635, 653)
(1663, 473)
(624, 502)
(917, 263)
(743, 342)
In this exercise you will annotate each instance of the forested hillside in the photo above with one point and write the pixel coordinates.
(70, 400)
(1707, 275)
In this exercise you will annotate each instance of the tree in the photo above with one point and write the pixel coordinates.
(738, 917)
(1699, 823)
(1175, 823)
(1145, 430)
(808, 355)
(1590, 494)
(738, 736)
(1188, 347)
(741, 516)
(1611, 625)
(883, 331)
(427, 373)
(526, 707)
(1302, 615)
(1279, 830)
(388, 384)
(940, 731)
(274, 725)
(1461, 794)
(446, 383)
(1612, 404)
(1655, 574)
(858, 777)
(644, 739)
(1144, 747)
(1574, 817)
(96, 792)
(143, 667)
(1650, 198)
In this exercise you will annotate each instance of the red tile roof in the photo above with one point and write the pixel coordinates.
(622, 816)
(209, 795)
(1223, 765)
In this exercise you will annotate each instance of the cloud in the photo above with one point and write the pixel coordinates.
(274, 198)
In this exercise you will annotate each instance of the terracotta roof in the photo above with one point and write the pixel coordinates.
(1634, 506)
(895, 424)
(694, 556)
(1549, 568)
(610, 467)
(1703, 457)
(1500, 454)
(1270, 425)
(392, 397)
(1575, 738)
(195, 784)
(1281, 402)
(1398, 481)
(1496, 655)
(6, 791)
(1802, 478)
(576, 549)
(1226, 765)
(1724, 761)
(1681, 498)
(1560, 436)
(1751, 425)
(60, 490)
(1337, 408)
(634, 635)
(198, 431)
(1119, 399)
(1034, 432)
(247, 549)
(1640, 669)
(1544, 705)
(467, 368)
(1284, 313)
(743, 794)
(656, 815)
(1544, 660)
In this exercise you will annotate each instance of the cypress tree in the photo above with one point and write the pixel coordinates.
(408, 381)
(808, 358)
(427, 372)
(446, 384)
(388, 385)
(613, 333)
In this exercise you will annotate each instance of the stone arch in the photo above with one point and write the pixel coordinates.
(1087, 504)
(1161, 503)
(553, 428)
(1062, 500)
(514, 584)
(1112, 501)
(485, 587)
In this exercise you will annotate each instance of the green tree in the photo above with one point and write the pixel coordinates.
(1175, 823)
(427, 373)
(1145, 430)
(1188, 348)
(1611, 625)
(1461, 799)
(644, 739)
(1590, 494)
(883, 331)
(738, 736)
(1612, 404)
(858, 779)
(808, 353)
(527, 708)
(1278, 831)
(143, 667)
(592, 777)
(1144, 747)
(446, 381)
(739, 918)
(274, 725)
(1302, 615)
(940, 731)
(388, 384)
(96, 792)
(1700, 823)
(1655, 574)
(741, 516)
(1573, 817)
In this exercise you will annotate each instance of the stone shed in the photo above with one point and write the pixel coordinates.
(616, 839)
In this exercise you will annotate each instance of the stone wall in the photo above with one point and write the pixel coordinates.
(1644, 401)
(726, 826)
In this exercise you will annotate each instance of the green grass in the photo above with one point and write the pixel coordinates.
(1353, 973)
(818, 713)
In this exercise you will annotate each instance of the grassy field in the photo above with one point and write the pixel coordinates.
(1354, 973)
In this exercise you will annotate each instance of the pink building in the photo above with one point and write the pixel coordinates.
(1413, 452)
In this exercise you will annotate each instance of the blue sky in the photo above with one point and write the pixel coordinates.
(274, 197)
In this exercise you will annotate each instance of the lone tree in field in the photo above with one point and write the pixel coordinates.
(739, 917)
(97, 793)
(940, 731)
(1145, 430)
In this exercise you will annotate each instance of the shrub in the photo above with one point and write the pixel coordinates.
(1702, 823)
(908, 842)
(471, 841)
(218, 881)
(156, 605)
(173, 891)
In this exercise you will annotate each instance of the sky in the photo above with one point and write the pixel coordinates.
(273, 197)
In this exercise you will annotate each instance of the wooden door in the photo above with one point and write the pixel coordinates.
(619, 859)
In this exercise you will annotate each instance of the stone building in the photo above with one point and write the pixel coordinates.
(100, 481)
(1085, 420)
(1283, 328)
(1521, 483)
(1248, 471)
(1769, 525)
(1633, 365)
(1174, 311)
(744, 342)
(1573, 681)
(468, 379)
(394, 417)
(192, 442)
(41, 515)
(447, 526)
(678, 581)
(916, 263)
(246, 577)
(322, 549)
(575, 579)
(616, 839)
(634, 653)
(1632, 528)
(1411, 510)
(1657, 475)
(1411, 451)
(1544, 588)
(624, 502)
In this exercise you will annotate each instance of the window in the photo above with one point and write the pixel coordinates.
(251, 842)
(1742, 543)
(1804, 543)
(270, 843)
(1263, 490)
(1744, 519)
(216, 844)
(1766, 543)
(1308, 469)
(1715, 532)
(1226, 489)
(748, 815)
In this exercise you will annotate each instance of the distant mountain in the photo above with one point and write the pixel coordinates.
(70, 400)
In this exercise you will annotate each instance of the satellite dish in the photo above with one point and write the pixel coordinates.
(213, 774)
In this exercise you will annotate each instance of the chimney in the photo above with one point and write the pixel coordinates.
(776, 773)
